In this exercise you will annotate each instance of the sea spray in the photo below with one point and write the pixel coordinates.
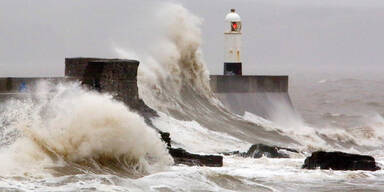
(175, 60)
(174, 79)
(65, 125)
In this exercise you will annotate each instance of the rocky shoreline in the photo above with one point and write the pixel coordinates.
(319, 159)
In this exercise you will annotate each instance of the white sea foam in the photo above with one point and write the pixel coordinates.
(354, 140)
(196, 138)
(66, 123)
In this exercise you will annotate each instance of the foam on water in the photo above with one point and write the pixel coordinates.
(67, 126)
(363, 137)
(238, 174)
(195, 138)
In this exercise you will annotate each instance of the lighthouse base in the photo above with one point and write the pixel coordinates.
(265, 96)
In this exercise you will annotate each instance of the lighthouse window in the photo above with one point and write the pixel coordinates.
(235, 26)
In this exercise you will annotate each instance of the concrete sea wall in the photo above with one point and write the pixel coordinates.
(265, 96)
(14, 85)
(248, 83)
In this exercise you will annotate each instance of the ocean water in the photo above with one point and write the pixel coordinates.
(63, 137)
(71, 139)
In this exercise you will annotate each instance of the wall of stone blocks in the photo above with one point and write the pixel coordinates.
(116, 76)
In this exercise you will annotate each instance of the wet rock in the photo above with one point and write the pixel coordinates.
(181, 156)
(165, 136)
(259, 150)
(340, 161)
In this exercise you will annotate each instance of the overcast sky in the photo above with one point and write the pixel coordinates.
(279, 36)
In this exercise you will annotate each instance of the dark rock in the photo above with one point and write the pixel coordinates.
(181, 156)
(259, 150)
(340, 161)
(165, 136)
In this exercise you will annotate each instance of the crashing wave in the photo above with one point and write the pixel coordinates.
(66, 127)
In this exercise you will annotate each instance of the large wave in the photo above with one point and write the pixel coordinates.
(174, 80)
(65, 128)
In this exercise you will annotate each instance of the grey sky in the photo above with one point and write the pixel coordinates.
(280, 36)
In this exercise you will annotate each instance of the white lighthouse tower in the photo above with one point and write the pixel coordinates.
(232, 44)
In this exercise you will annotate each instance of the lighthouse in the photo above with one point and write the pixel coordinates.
(232, 44)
